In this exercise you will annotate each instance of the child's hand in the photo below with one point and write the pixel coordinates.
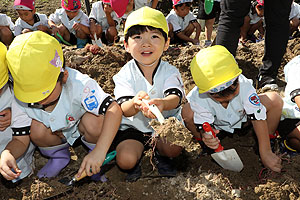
(147, 113)
(76, 26)
(210, 141)
(137, 100)
(196, 41)
(5, 119)
(94, 49)
(271, 161)
(91, 163)
(7, 162)
(42, 28)
(55, 30)
(26, 30)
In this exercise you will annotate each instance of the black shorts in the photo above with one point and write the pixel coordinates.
(133, 134)
(286, 126)
(73, 39)
(201, 12)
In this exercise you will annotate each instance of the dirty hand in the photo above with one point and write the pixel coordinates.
(42, 28)
(55, 30)
(5, 119)
(210, 141)
(137, 100)
(7, 162)
(196, 41)
(91, 163)
(158, 102)
(271, 161)
(76, 26)
(94, 49)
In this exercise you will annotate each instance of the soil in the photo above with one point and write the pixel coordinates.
(199, 177)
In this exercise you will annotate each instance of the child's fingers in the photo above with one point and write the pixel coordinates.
(81, 169)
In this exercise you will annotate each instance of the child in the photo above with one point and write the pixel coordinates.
(209, 19)
(71, 23)
(58, 104)
(252, 22)
(182, 23)
(225, 98)
(294, 18)
(28, 19)
(124, 7)
(6, 28)
(104, 22)
(291, 106)
(146, 76)
(23, 167)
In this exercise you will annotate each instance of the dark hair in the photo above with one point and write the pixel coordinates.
(228, 91)
(187, 4)
(139, 29)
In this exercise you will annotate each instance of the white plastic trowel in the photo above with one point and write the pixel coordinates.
(96, 41)
(228, 159)
(154, 109)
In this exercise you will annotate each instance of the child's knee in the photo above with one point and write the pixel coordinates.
(112, 31)
(92, 124)
(37, 130)
(125, 160)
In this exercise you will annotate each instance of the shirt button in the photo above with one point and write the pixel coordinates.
(153, 92)
(52, 119)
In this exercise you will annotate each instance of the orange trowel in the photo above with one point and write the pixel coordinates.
(228, 159)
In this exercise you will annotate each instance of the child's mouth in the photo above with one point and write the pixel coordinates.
(146, 53)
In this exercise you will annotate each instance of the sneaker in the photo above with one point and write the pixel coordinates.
(134, 174)
(207, 43)
(164, 165)
(266, 83)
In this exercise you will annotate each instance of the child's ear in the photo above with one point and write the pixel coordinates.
(167, 44)
(66, 75)
(126, 46)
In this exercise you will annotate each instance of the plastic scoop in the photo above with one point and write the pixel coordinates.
(62, 39)
(96, 41)
(228, 159)
(67, 181)
(154, 109)
(208, 6)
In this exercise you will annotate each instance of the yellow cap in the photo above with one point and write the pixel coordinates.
(3, 65)
(35, 61)
(212, 67)
(147, 16)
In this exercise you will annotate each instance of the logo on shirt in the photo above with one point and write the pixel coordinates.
(254, 99)
(296, 108)
(91, 101)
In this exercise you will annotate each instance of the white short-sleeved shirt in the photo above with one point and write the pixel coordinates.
(137, 5)
(179, 23)
(25, 162)
(130, 80)
(292, 89)
(245, 103)
(6, 21)
(99, 15)
(60, 17)
(295, 11)
(80, 94)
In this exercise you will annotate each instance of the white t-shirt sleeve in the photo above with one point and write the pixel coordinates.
(252, 105)
(94, 99)
(174, 84)
(85, 20)
(123, 87)
(94, 10)
(55, 16)
(201, 114)
(20, 121)
(172, 19)
(18, 27)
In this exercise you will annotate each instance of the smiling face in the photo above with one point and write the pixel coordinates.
(147, 47)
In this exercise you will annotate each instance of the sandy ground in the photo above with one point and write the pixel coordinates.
(199, 177)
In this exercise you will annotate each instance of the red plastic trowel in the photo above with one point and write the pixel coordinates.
(228, 159)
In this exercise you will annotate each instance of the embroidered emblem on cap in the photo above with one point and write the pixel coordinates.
(56, 61)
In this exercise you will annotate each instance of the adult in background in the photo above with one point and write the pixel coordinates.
(276, 14)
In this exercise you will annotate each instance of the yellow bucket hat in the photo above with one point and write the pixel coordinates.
(147, 16)
(35, 61)
(214, 69)
(3, 65)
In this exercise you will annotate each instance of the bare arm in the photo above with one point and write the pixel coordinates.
(154, 3)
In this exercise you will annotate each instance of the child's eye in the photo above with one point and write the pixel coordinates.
(136, 37)
(155, 36)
